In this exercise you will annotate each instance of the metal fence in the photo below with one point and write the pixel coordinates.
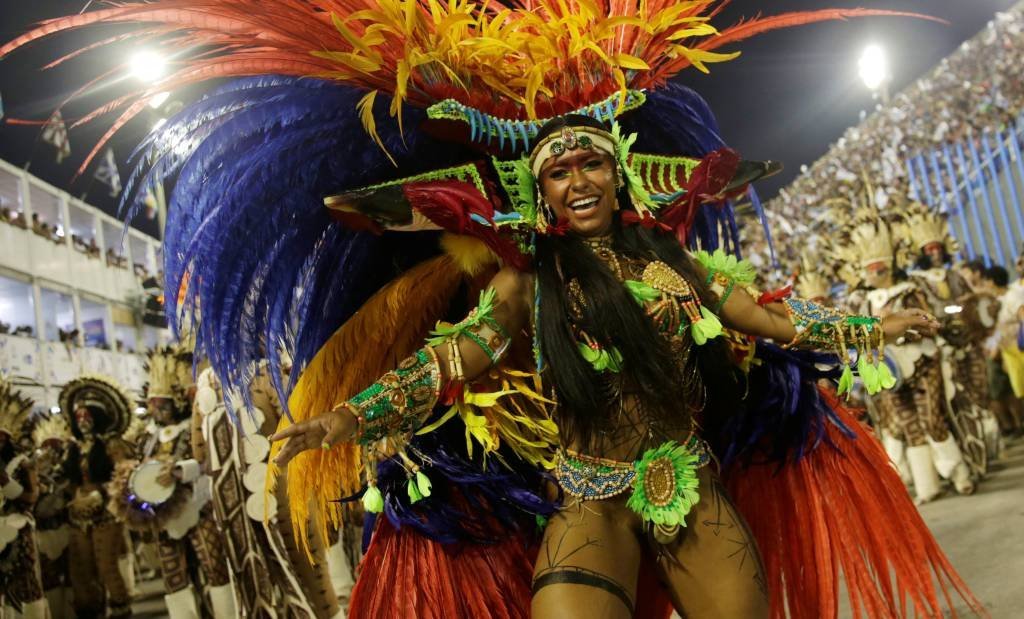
(979, 184)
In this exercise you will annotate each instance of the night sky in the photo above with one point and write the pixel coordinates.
(787, 97)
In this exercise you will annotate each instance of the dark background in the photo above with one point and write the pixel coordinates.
(787, 97)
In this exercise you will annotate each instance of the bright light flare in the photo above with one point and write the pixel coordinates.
(873, 67)
(148, 66)
(158, 100)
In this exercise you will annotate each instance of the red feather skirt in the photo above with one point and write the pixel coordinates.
(405, 575)
(845, 510)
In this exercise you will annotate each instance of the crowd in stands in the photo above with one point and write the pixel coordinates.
(978, 88)
(40, 227)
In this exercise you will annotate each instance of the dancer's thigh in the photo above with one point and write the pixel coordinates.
(588, 563)
(714, 570)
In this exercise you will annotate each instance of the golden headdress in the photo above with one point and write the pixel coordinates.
(812, 283)
(51, 427)
(924, 227)
(169, 370)
(107, 401)
(14, 410)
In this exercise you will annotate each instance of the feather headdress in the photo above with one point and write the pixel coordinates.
(924, 227)
(51, 427)
(14, 410)
(106, 400)
(520, 60)
(169, 372)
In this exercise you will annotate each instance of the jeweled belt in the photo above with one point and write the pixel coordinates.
(664, 481)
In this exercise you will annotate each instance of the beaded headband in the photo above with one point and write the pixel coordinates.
(570, 138)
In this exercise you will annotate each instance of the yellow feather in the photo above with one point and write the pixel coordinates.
(365, 109)
(389, 327)
(471, 255)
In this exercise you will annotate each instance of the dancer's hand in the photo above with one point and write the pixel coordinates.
(897, 324)
(324, 431)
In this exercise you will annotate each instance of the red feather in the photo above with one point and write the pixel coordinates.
(407, 576)
(449, 204)
(759, 25)
(664, 68)
(844, 511)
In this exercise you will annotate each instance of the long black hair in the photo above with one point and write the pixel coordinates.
(588, 400)
(98, 462)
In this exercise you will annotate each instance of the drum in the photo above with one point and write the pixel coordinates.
(144, 486)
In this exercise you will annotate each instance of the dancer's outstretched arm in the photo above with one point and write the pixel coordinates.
(470, 349)
(742, 313)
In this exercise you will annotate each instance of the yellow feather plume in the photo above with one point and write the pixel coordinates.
(388, 328)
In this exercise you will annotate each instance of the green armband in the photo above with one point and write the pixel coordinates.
(479, 327)
(725, 271)
(400, 400)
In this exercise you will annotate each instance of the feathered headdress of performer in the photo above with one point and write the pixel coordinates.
(50, 427)
(14, 410)
(169, 374)
(106, 400)
(923, 227)
(352, 119)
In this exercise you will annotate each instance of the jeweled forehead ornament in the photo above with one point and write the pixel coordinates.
(570, 138)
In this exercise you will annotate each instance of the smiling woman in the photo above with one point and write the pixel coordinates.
(488, 151)
(580, 186)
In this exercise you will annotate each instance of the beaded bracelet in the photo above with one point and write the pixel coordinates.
(827, 328)
(397, 403)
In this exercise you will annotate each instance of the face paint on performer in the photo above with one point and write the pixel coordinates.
(579, 185)
(161, 409)
(936, 254)
(878, 275)
(84, 419)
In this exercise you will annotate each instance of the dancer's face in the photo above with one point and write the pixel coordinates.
(84, 419)
(579, 185)
(936, 256)
(161, 409)
(878, 275)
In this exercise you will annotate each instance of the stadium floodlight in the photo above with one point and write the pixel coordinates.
(148, 66)
(874, 68)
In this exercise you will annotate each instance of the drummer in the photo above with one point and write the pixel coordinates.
(165, 493)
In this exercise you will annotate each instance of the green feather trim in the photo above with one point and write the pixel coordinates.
(423, 483)
(869, 375)
(415, 496)
(885, 377)
(525, 188)
(600, 359)
(642, 293)
(633, 181)
(707, 328)
(373, 501)
(739, 271)
(845, 380)
(685, 494)
(444, 332)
